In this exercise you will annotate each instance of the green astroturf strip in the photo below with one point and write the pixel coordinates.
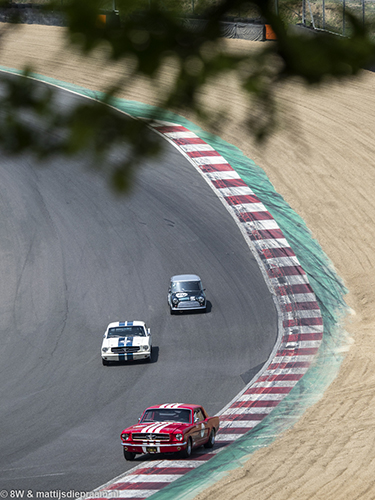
(327, 285)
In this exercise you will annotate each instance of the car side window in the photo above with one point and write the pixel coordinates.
(198, 416)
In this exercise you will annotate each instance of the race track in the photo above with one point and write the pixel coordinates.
(74, 258)
(321, 163)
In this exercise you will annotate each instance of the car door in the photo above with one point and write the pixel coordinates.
(200, 430)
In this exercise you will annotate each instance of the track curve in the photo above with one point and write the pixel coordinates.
(73, 259)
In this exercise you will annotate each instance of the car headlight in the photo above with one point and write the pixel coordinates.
(179, 437)
(175, 301)
(201, 300)
(144, 347)
(104, 349)
(125, 436)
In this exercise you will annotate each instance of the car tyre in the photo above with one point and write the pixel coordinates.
(105, 362)
(187, 451)
(129, 455)
(211, 440)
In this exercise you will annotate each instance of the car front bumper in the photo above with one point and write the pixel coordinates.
(129, 356)
(188, 305)
(141, 448)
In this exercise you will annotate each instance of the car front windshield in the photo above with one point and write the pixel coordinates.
(167, 415)
(127, 331)
(186, 286)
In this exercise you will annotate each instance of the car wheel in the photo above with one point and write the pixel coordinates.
(211, 440)
(187, 451)
(129, 455)
(105, 362)
(149, 359)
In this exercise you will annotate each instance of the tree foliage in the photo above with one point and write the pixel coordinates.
(150, 33)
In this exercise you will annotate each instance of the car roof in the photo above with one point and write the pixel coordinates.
(185, 277)
(174, 406)
(126, 323)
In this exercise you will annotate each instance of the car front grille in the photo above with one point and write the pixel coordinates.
(188, 304)
(152, 436)
(124, 350)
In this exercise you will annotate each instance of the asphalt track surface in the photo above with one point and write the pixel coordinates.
(73, 258)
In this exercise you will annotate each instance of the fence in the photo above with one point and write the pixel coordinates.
(328, 15)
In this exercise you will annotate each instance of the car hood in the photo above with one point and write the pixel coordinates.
(156, 427)
(125, 341)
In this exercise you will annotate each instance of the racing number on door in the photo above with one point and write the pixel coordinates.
(201, 428)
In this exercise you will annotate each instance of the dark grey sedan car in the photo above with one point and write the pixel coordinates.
(186, 293)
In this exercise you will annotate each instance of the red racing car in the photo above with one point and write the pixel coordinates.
(170, 428)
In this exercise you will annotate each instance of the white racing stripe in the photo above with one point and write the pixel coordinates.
(181, 135)
(302, 313)
(149, 478)
(300, 358)
(209, 160)
(291, 279)
(247, 411)
(239, 424)
(172, 405)
(227, 438)
(189, 148)
(180, 463)
(283, 371)
(154, 428)
(235, 191)
(277, 383)
(301, 297)
(222, 175)
(303, 329)
(261, 225)
(249, 208)
(268, 244)
(283, 261)
(303, 344)
(261, 397)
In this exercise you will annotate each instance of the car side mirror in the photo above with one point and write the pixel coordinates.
(196, 419)
(148, 332)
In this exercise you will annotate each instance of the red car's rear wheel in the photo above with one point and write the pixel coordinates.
(211, 440)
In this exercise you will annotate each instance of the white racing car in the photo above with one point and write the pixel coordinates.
(126, 341)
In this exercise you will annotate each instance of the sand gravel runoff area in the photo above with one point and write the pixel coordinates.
(322, 162)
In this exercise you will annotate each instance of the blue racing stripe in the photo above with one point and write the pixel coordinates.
(121, 343)
(129, 342)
